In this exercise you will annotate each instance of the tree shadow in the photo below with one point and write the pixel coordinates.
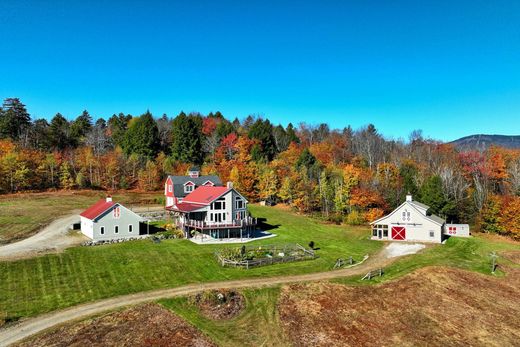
(264, 226)
(151, 229)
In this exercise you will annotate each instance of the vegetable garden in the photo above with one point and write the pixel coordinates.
(253, 256)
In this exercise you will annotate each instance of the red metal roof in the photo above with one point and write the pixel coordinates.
(98, 208)
(185, 207)
(205, 195)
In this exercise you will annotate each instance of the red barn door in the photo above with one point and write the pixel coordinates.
(398, 233)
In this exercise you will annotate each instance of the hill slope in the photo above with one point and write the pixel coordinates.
(482, 142)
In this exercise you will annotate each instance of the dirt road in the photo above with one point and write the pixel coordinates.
(53, 238)
(34, 325)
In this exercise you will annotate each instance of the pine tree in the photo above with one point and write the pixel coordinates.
(187, 139)
(14, 119)
(142, 137)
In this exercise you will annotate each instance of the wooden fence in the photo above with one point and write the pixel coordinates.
(280, 254)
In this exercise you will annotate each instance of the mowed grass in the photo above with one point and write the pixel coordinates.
(33, 286)
(257, 325)
(472, 254)
(22, 215)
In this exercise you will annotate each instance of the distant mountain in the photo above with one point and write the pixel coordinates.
(481, 142)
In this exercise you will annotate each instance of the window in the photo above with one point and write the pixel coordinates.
(432, 234)
(170, 188)
(117, 212)
(130, 228)
(385, 232)
(211, 217)
(239, 202)
(188, 188)
(374, 232)
(220, 204)
(102, 230)
(116, 229)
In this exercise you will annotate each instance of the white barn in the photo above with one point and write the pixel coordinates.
(409, 222)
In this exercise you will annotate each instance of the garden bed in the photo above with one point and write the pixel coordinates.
(253, 256)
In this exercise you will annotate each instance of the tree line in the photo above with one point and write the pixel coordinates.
(342, 175)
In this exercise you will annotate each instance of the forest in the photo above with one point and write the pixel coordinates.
(341, 175)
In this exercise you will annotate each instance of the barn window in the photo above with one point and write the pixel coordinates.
(102, 231)
(116, 229)
(170, 188)
(432, 234)
(188, 188)
(130, 227)
(385, 232)
(117, 212)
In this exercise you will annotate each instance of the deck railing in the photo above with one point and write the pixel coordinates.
(248, 221)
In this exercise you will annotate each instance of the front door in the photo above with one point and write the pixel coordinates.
(398, 233)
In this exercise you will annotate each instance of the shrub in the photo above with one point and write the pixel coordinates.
(354, 218)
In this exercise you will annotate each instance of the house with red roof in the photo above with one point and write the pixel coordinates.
(109, 220)
(218, 212)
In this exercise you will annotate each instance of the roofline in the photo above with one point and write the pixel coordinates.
(414, 207)
(218, 197)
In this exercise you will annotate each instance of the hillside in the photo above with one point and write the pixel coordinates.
(482, 142)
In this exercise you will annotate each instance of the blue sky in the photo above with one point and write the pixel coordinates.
(450, 68)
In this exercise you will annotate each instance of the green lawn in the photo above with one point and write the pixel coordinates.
(24, 214)
(257, 325)
(81, 274)
(465, 253)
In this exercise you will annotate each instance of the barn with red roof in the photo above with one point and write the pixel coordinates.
(109, 220)
(215, 212)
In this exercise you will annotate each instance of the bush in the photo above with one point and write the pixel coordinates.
(354, 218)
(160, 200)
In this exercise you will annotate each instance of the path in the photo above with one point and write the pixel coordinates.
(53, 238)
(37, 324)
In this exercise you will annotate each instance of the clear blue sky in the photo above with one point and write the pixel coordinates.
(451, 68)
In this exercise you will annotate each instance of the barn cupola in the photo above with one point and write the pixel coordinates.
(194, 172)
(409, 197)
(109, 199)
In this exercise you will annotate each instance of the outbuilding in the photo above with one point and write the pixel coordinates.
(409, 222)
(108, 220)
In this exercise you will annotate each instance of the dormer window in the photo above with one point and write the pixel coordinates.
(189, 188)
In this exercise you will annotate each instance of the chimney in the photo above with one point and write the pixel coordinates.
(229, 185)
(408, 197)
(109, 199)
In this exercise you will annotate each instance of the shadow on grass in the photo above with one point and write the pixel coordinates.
(264, 226)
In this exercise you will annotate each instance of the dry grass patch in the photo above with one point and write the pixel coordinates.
(145, 325)
(432, 306)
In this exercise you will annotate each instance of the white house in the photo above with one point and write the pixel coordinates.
(108, 220)
(220, 212)
(409, 222)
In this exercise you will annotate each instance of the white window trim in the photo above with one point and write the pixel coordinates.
(130, 228)
(170, 188)
(189, 188)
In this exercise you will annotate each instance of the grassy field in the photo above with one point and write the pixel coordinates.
(257, 325)
(21, 215)
(81, 274)
(464, 253)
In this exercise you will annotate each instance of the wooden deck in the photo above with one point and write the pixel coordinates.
(202, 225)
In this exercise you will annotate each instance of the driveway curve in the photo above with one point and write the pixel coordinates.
(31, 326)
(53, 238)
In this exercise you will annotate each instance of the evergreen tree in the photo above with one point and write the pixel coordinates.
(142, 137)
(80, 128)
(187, 139)
(291, 134)
(59, 132)
(432, 195)
(408, 173)
(262, 130)
(118, 124)
(14, 119)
